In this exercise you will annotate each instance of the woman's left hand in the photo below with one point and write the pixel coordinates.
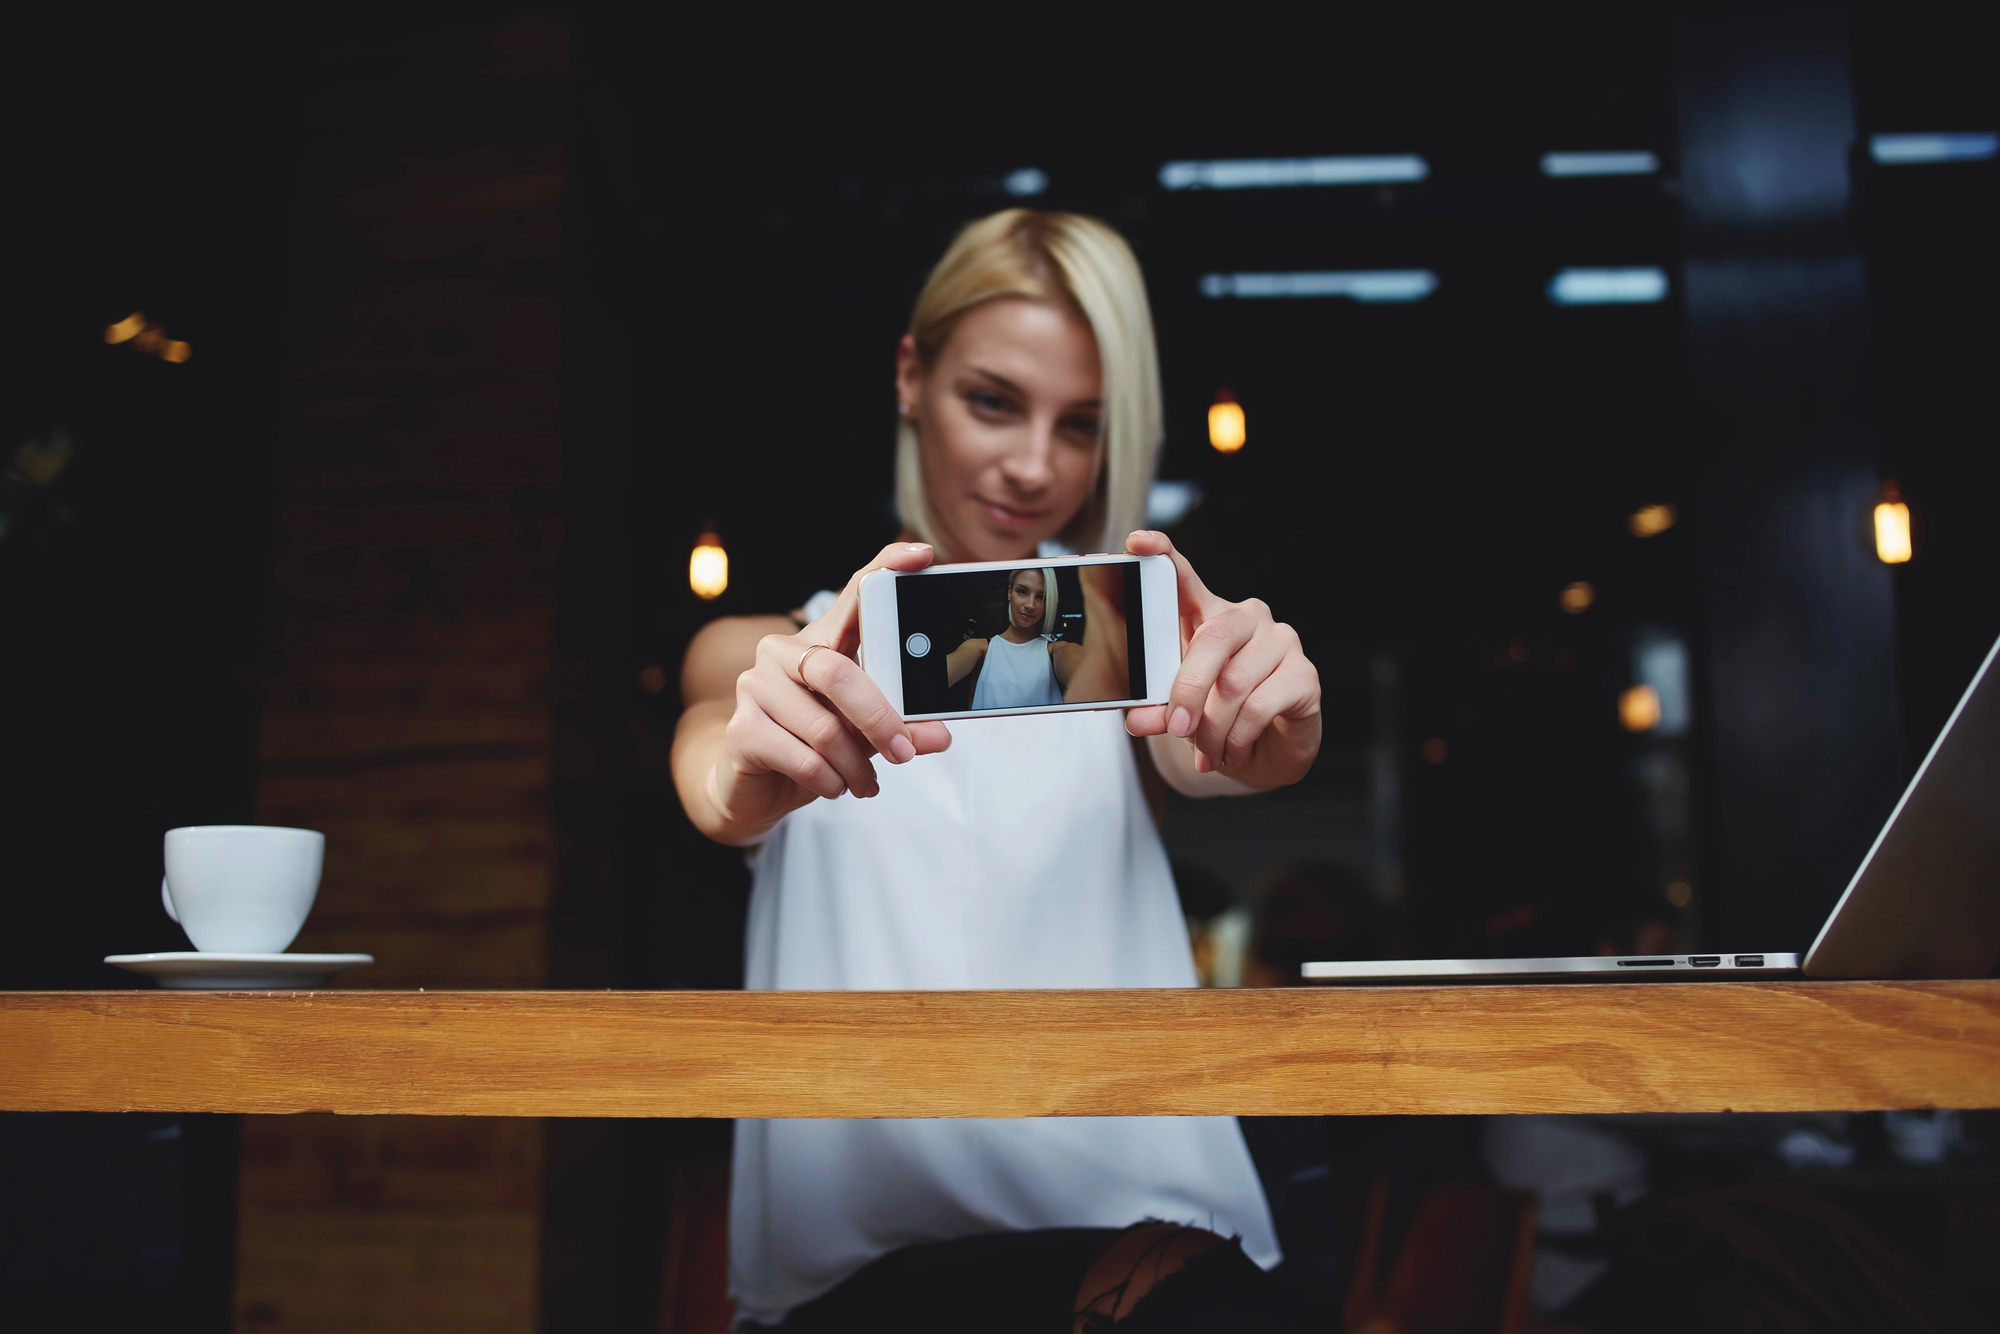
(1246, 697)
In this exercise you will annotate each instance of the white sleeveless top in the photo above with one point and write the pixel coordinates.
(1024, 856)
(1016, 676)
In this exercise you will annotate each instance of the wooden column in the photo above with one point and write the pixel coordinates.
(409, 717)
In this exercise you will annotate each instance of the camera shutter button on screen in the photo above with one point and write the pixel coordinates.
(917, 645)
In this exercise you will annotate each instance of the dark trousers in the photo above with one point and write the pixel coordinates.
(1026, 1283)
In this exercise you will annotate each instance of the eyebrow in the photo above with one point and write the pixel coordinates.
(1005, 383)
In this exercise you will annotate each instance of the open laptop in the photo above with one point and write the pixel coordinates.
(1925, 902)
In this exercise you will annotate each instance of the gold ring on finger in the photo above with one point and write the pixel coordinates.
(810, 650)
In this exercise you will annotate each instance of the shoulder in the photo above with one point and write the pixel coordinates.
(972, 648)
(723, 650)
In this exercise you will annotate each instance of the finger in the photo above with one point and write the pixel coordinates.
(819, 727)
(841, 682)
(931, 738)
(1149, 720)
(765, 745)
(1246, 671)
(840, 626)
(1279, 693)
(855, 696)
(1209, 650)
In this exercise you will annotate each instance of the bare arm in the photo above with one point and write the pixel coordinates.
(1099, 667)
(1063, 659)
(720, 652)
(963, 659)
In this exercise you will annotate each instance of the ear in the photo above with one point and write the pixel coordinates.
(909, 373)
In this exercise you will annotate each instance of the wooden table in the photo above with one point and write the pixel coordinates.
(1653, 1047)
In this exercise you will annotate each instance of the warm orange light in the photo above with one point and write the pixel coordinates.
(147, 337)
(1652, 520)
(1436, 751)
(1892, 526)
(1639, 709)
(652, 678)
(1226, 430)
(1679, 894)
(708, 568)
(1577, 597)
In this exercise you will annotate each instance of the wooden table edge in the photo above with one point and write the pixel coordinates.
(1569, 1047)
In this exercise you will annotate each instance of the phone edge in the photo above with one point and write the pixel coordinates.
(879, 589)
(1163, 634)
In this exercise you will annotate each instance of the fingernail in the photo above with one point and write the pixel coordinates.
(918, 546)
(901, 751)
(1181, 723)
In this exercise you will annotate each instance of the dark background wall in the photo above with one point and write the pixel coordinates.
(245, 545)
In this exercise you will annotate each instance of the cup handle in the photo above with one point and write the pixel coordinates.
(167, 901)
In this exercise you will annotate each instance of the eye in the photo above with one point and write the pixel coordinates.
(1083, 427)
(986, 401)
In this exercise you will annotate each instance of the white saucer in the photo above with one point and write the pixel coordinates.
(190, 970)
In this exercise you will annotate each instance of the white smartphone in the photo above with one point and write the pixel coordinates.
(1054, 635)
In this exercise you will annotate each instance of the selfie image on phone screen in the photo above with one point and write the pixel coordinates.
(1032, 637)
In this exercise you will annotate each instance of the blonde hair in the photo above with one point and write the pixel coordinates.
(1079, 261)
(1049, 594)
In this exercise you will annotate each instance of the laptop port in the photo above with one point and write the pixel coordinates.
(1705, 960)
(1645, 963)
(1749, 961)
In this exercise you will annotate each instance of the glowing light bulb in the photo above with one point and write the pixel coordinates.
(708, 568)
(1652, 520)
(126, 329)
(1577, 597)
(1892, 526)
(1225, 423)
(1639, 709)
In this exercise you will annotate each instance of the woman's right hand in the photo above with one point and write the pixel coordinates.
(805, 721)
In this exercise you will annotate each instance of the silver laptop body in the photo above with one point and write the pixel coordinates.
(1924, 903)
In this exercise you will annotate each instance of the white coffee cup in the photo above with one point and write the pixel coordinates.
(241, 888)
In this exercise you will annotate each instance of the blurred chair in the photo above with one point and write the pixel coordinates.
(1312, 910)
(694, 1281)
(1463, 1265)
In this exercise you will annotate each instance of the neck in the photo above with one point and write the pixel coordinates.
(1014, 634)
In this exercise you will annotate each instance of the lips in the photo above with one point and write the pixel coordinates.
(1007, 516)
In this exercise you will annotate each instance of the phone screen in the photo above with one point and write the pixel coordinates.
(1033, 637)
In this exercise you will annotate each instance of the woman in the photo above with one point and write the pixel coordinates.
(1029, 412)
(1025, 665)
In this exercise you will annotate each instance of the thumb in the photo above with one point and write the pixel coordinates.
(1197, 603)
(840, 627)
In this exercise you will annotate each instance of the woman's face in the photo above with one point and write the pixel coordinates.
(1009, 419)
(1027, 598)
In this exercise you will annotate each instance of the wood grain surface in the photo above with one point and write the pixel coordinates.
(1655, 1047)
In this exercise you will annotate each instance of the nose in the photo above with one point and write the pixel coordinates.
(1030, 465)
